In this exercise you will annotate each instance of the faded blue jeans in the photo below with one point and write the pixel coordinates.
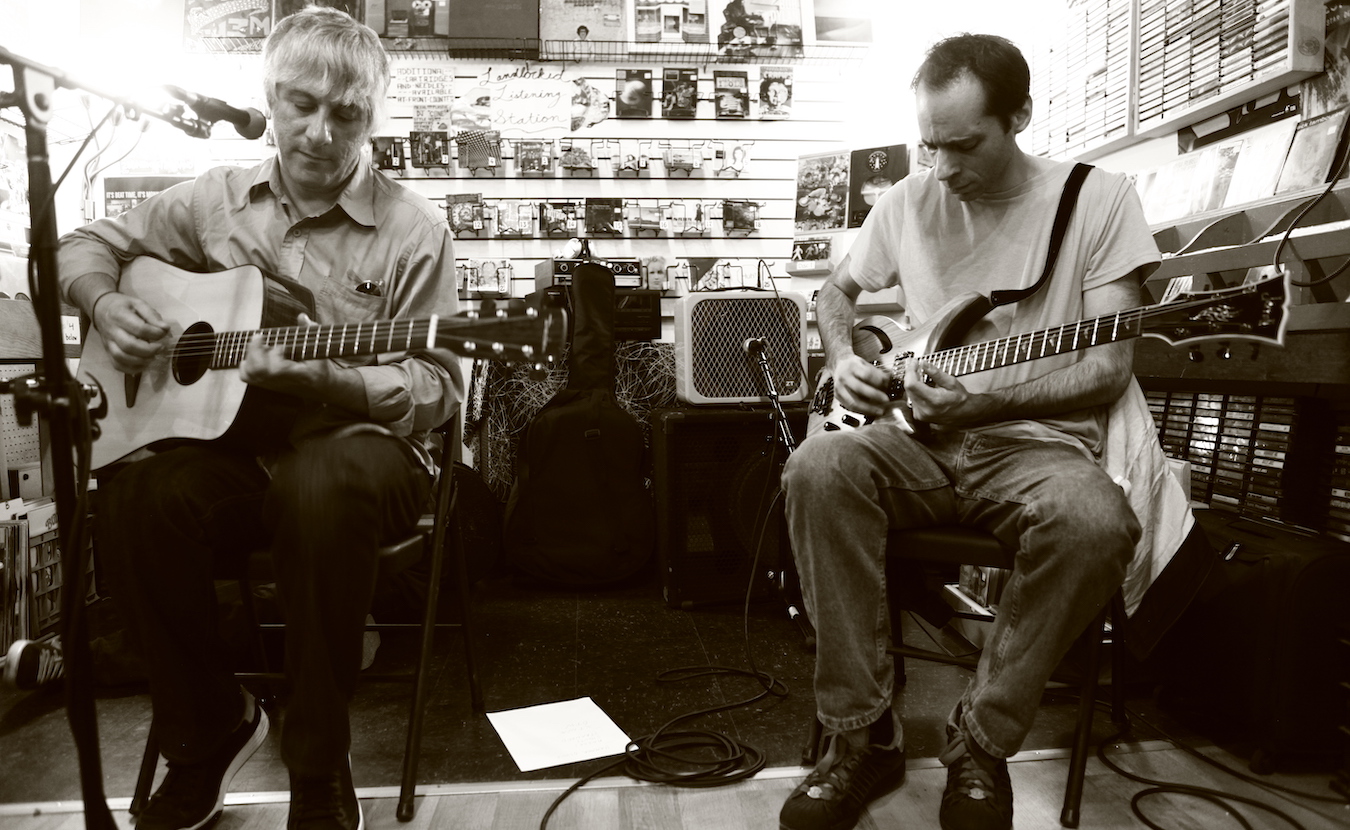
(1072, 527)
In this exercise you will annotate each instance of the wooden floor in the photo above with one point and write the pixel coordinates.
(622, 804)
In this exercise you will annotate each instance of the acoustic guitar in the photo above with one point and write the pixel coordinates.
(192, 389)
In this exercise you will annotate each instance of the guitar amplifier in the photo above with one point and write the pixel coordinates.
(627, 272)
(715, 478)
(712, 365)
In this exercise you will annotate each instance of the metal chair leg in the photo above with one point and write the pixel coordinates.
(1082, 734)
(146, 778)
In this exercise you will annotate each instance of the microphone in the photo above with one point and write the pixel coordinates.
(249, 123)
(753, 345)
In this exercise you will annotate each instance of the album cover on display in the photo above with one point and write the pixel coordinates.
(731, 90)
(557, 218)
(515, 217)
(1311, 152)
(464, 212)
(811, 249)
(534, 156)
(871, 173)
(604, 216)
(643, 216)
(479, 149)
(822, 192)
(739, 216)
(388, 152)
(775, 92)
(430, 148)
(633, 93)
(679, 93)
(1257, 168)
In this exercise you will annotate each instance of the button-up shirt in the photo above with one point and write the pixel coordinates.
(379, 235)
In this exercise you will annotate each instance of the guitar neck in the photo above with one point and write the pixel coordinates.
(315, 342)
(1020, 348)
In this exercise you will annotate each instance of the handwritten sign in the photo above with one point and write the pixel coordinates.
(426, 86)
(522, 101)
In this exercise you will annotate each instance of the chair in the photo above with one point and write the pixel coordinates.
(431, 535)
(955, 545)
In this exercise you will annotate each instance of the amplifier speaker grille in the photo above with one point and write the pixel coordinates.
(711, 364)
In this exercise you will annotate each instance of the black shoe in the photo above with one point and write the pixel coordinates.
(193, 795)
(32, 664)
(979, 793)
(849, 777)
(325, 802)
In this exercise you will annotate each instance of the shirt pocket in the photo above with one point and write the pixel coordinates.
(340, 304)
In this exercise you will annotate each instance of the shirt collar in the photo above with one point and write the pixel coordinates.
(357, 199)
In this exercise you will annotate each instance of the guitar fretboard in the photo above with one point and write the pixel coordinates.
(313, 342)
(1082, 334)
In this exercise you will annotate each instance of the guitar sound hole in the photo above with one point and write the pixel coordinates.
(192, 353)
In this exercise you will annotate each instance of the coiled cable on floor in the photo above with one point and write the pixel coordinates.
(696, 757)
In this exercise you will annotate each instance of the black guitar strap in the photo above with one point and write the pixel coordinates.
(1066, 202)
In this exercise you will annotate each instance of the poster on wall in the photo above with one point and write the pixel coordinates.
(122, 193)
(822, 192)
(205, 20)
(13, 191)
(286, 8)
(871, 173)
(758, 28)
(842, 21)
(575, 23)
(408, 18)
(669, 21)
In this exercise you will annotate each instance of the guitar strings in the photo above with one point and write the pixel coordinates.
(981, 356)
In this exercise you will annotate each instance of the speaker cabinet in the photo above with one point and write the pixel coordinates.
(716, 478)
(711, 331)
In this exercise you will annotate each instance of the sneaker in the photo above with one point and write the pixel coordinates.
(31, 664)
(844, 781)
(193, 795)
(325, 802)
(979, 793)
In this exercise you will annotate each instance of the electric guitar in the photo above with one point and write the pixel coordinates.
(1250, 312)
(192, 389)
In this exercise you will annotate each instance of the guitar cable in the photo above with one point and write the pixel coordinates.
(700, 757)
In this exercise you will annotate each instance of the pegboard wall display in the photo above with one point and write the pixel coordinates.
(20, 443)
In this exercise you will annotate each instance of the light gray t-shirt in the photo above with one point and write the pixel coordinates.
(935, 248)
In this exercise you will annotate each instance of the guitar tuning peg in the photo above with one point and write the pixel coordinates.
(1224, 352)
(1196, 356)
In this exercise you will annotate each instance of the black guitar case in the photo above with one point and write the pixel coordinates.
(580, 512)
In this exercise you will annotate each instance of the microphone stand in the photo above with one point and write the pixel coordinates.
(64, 402)
(757, 351)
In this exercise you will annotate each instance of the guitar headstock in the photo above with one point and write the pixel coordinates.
(1248, 312)
(512, 332)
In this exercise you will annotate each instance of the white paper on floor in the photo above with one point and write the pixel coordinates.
(558, 733)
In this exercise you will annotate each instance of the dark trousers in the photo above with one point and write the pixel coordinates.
(171, 524)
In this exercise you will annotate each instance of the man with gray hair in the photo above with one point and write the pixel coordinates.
(344, 469)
